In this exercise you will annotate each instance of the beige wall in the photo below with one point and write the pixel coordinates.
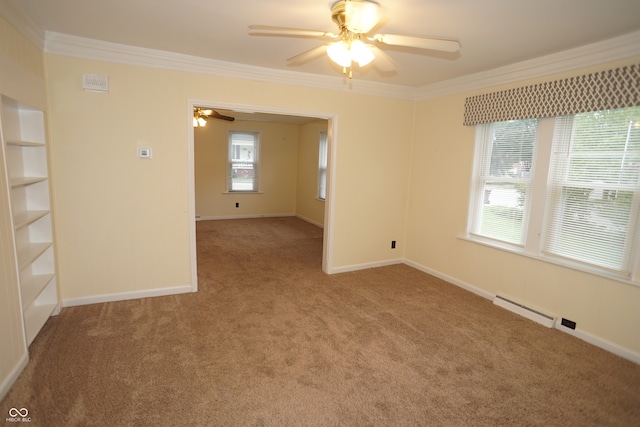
(277, 173)
(440, 181)
(308, 206)
(123, 223)
(21, 72)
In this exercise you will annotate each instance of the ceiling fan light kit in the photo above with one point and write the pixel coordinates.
(355, 19)
(200, 116)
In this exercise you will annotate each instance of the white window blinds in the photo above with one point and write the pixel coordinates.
(502, 180)
(594, 189)
(322, 166)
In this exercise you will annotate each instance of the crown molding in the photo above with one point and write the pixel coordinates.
(26, 25)
(625, 46)
(85, 48)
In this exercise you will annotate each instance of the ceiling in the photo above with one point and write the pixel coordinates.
(492, 33)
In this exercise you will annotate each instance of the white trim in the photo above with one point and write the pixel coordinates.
(332, 128)
(191, 190)
(249, 216)
(310, 221)
(24, 23)
(287, 215)
(124, 296)
(613, 49)
(616, 349)
(464, 285)
(80, 47)
(585, 336)
(365, 266)
(7, 383)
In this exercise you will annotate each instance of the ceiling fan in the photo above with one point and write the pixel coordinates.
(356, 20)
(201, 114)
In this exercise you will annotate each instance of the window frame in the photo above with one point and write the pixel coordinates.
(323, 154)
(255, 162)
(537, 221)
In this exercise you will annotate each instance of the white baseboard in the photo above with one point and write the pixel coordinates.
(356, 267)
(94, 299)
(616, 349)
(12, 377)
(452, 280)
(310, 221)
(625, 353)
(216, 218)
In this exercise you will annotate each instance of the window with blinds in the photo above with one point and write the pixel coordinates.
(322, 166)
(242, 169)
(594, 189)
(503, 175)
(564, 189)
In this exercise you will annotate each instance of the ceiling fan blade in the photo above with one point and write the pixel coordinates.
(308, 55)
(417, 42)
(382, 61)
(267, 30)
(217, 115)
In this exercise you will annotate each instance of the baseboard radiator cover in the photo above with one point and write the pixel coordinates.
(523, 310)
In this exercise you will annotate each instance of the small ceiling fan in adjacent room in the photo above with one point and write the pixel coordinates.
(200, 116)
(356, 41)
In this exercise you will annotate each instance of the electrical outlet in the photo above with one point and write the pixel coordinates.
(393, 244)
(568, 323)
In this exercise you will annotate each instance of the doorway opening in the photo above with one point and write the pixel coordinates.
(257, 113)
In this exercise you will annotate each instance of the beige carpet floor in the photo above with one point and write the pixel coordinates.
(270, 340)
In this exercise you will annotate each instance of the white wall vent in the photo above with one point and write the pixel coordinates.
(530, 313)
(95, 83)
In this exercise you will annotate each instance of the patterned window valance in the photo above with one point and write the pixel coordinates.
(611, 89)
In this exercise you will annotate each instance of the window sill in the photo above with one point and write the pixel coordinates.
(519, 250)
(242, 192)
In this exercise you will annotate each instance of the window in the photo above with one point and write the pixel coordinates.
(243, 161)
(322, 166)
(594, 189)
(503, 180)
(566, 189)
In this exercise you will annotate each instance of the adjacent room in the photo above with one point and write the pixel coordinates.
(348, 212)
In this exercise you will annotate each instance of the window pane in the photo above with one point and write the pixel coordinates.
(512, 148)
(502, 212)
(503, 180)
(322, 166)
(593, 188)
(243, 155)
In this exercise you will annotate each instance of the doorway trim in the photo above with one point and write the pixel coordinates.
(332, 131)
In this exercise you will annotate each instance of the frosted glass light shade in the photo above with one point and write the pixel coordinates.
(344, 53)
(339, 53)
(361, 53)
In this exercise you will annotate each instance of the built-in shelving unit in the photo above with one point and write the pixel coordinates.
(25, 152)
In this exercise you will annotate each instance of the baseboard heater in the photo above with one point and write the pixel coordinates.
(530, 313)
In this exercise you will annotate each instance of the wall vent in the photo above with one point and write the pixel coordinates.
(530, 313)
(95, 83)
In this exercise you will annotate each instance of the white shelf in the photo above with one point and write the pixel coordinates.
(24, 219)
(32, 285)
(25, 155)
(28, 254)
(21, 143)
(26, 180)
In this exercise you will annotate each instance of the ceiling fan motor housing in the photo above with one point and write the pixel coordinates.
(356, 16)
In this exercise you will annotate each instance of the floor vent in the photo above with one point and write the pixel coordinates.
(537, 316)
